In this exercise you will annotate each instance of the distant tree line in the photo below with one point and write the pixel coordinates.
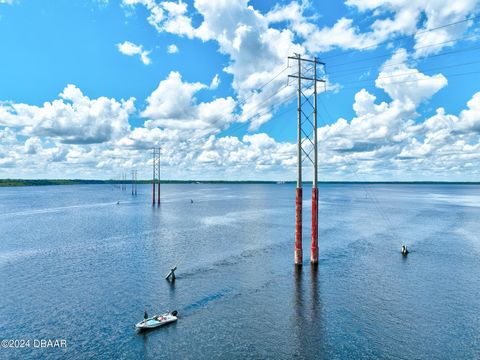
(41, 182)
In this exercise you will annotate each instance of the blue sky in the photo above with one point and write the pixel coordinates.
(87, 87)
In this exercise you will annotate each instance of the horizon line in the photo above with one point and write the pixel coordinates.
(7, 182)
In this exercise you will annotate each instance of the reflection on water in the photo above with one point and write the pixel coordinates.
(314, 288)
(309, 333)
(299, 314)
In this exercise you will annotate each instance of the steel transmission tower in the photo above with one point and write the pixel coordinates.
(307, 77)
(156, 174)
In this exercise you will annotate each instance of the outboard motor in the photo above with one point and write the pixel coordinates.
(174, 312)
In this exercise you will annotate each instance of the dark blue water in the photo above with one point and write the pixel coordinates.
(76, 266)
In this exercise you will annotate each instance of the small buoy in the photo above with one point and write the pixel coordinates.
(191, 201)
(118, 202)
(171, 274)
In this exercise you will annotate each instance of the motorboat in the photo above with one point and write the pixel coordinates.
(157, 320)
(404, 250)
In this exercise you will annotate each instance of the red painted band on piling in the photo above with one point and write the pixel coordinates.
(298, 227)
(153, 198)
(314, 247)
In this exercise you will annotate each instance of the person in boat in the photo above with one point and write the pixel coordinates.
(145, 315)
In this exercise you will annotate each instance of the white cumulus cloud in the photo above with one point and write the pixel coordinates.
(173, 105)
(406, 84)
(74, 118)
(130, 49)
(172, 49)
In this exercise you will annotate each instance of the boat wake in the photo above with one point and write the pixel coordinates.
(205, 300)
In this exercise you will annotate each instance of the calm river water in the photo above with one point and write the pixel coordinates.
(76, 266)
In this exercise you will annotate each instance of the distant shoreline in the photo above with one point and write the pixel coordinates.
(45, 182)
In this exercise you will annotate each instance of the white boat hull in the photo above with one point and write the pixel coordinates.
(156, 321)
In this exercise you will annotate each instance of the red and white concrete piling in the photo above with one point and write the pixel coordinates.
(298, 227)
(314, 247)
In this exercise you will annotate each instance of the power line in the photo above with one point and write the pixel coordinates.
(259, 114)
(401, 37)
(390, 53)
(413, 72)
(256, 90)
(211, 132)
(410, 81)
(256, 115)
(353, 70)
(377, 205)
(271, 96)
